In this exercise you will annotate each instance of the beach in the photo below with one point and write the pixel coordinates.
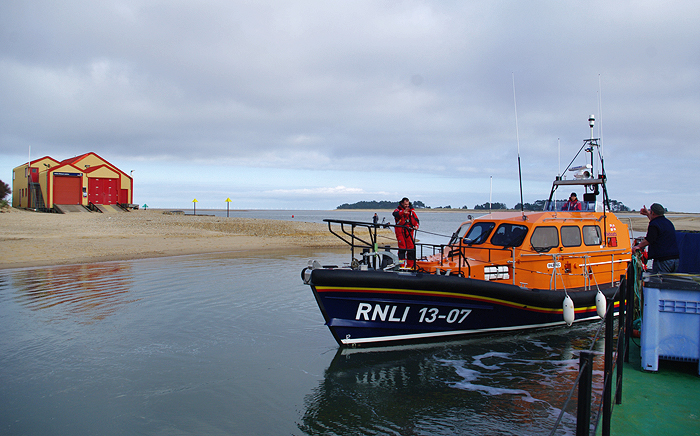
(688, 222)
(40, 239)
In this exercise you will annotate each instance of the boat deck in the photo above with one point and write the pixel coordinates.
(666, 402)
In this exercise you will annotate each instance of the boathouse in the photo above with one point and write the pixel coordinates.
(83, 180)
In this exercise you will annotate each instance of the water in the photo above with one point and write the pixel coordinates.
(235, 344)
(435, 227)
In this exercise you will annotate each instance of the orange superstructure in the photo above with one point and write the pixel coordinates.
(537, 250)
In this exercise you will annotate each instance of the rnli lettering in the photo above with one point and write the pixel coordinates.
(381, 312)
(394, 313)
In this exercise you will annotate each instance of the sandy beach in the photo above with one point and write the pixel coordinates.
(689, 222)
(42, 239)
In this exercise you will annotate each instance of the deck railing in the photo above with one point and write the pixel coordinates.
(612, 360)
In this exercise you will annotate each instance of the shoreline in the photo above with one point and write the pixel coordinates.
(34, 239)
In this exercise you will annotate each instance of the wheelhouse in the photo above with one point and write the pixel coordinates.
(537, 250)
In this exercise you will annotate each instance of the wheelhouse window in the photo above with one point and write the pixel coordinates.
(478, 233)
(570, 236)
(544, 238)
(509, 235)
(592, 235)
(459, 234)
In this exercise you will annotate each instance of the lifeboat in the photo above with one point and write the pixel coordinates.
(498, 273)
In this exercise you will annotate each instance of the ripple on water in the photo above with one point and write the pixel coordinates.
(236, 344)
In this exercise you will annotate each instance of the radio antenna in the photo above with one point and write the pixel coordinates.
(490, 192)
(600, 115)
(517, 138)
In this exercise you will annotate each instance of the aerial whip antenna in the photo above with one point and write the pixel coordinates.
(490, 193)
(600, 115)
(517, 138)
(559, 157)
(558, 172)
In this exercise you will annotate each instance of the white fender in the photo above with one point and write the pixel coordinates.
(600, 304)
(568, 310)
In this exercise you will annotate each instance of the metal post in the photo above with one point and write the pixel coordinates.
(631, 283)
(583, 415)
(29, 175)
(607, 368)
(621, 338)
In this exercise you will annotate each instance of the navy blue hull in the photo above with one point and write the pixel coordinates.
(374, 307)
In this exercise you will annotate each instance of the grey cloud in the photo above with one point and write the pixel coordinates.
(420, 86)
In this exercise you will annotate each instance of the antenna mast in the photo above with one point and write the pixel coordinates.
(490, 193)
(517, 138)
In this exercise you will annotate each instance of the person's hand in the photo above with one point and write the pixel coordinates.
(644, 211)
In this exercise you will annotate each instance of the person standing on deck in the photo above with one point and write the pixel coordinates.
(406, 225)
(661, 240)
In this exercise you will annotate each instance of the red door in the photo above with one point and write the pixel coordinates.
(67, 190)
(103, 191)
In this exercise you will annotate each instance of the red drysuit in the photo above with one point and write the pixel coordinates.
(406, 236)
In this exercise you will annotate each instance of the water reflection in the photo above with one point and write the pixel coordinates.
(235, 344)
(505, 385)
(83, 293)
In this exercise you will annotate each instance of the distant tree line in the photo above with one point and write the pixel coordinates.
(486, 206)
(379, 205)
(615, 206)
(537, 205)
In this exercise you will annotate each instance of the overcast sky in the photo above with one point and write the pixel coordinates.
(311, 104)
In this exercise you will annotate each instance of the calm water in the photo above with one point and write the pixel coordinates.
(235, 344)
(435, 227)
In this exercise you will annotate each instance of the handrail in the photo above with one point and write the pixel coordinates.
(584, 381)
(372, 228)
(577, 253)
(352, 235)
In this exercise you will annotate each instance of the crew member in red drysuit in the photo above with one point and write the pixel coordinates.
(573, 204)
(406, 225)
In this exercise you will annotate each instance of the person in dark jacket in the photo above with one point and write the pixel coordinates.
(406, 225)
(661, 240)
